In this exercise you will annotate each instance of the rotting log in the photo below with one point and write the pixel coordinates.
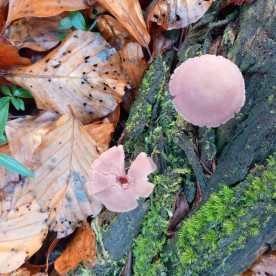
(231, 238)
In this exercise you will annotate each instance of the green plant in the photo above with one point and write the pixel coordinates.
(74, 19)
(12, 96)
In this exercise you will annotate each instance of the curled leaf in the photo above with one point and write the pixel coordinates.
(174, 14)
(129, 14)
(39, 34)
(9, 56)
(33, 8)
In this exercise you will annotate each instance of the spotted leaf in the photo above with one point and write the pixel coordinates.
(175, 14)
(84, 72)
(22, 226)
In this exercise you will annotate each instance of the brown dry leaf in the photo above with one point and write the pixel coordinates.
(34, 8)
(22, 226)
(82, 248)
(102, 133)
(174, 14)
(63, 161)
(6, 176)
(25, 135)
(160, 43)
(84, 72)
(113, 32)
(3, 11)
(39, 34)
(134, 65)
(265, 265)
(129, 14)
(9, 56)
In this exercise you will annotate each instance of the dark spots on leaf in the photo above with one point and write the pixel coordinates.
(59, 143)
(100, 101)
(47, 60)
(46, 69)
(83, 73)
(55, 209)
(90, 112)
(75, 36)
(55, 66)
(49, 80)
(95, 65)
(155, 16)
(31, 86)
(69, 51)
(84, 104)
(87, 57)
(90, 95)
(106, 72)
(82, 82)
(178, 17)
(60, 87)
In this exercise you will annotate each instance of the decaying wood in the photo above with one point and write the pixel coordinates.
(247, 139)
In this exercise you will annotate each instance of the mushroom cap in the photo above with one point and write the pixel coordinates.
(207, 90)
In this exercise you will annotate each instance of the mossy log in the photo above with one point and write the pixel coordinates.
(235, 220)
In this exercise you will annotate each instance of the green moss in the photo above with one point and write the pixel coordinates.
(227, 220)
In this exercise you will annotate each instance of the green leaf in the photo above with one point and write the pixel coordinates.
(61, 37)
(21, 92)
(4, 100)
(15, 103)
(21, 104)
(14, 88)
(15, 166)
(4, 111)
(77, 20)
(65, 24)
(6, 91)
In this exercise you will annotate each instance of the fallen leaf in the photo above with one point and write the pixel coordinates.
(6, 176)
(160, 43)
(64, 159)
(114, 32)
(39, 34)
(82, 248)
(3, 11)
(174, 14)
(25, 135)
(9, 56)
(265, 265)
(33, 8)
(102, 133)
(84, 72)
(181, 209)
(22, 226)
(134, 65)
(129, 14)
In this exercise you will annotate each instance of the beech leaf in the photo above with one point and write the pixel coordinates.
(84, 72)
(22, 226)
(63, 161)
(129, 14)
(33, 8)
(9, 56)
(39, 34)
(82, 248)
(114, 32)
(174, 14)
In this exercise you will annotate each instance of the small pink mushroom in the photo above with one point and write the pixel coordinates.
(117, 190)
(208, 90)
